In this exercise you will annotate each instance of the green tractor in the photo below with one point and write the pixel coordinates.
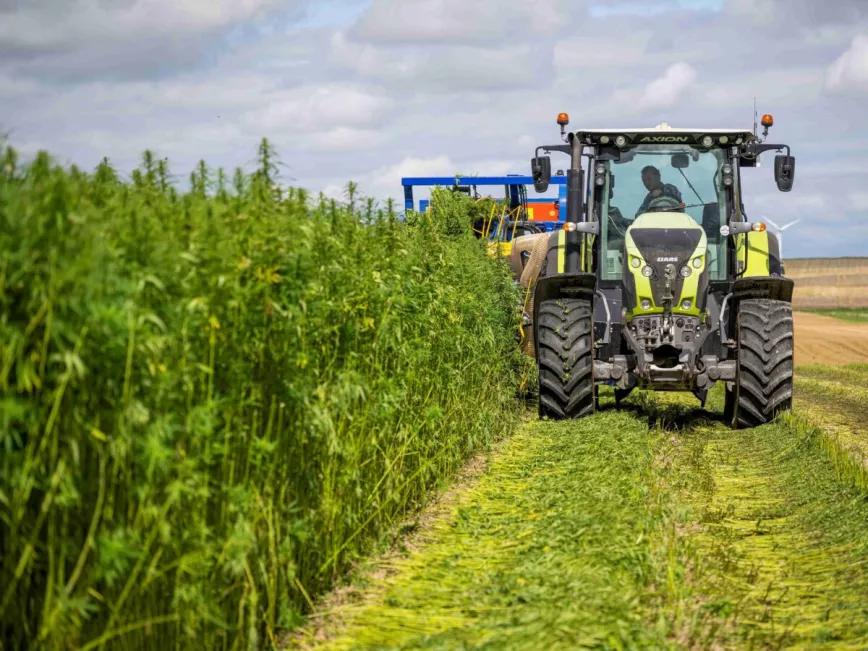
(658, 279)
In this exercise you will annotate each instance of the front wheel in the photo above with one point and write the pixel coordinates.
(565, 345)
(764, 379)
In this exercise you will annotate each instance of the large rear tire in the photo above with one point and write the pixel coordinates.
(565, 336)
(764, 381)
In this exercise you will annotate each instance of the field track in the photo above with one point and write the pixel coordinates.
(827, 340)
(653, 526)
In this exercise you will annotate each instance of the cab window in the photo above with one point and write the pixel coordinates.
(663, 178)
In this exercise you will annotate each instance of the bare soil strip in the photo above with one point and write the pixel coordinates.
(827, 340)
(651, 527)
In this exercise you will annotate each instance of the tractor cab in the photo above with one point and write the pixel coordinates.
(657, 250)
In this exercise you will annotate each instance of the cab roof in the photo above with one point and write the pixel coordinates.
(665, 134)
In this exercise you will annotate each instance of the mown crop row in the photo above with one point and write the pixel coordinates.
(211, 401)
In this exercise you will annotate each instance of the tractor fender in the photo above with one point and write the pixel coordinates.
(759, 254)
(776, 288)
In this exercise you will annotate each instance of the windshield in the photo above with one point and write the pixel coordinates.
(663, 178)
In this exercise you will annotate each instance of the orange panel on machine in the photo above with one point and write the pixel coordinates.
(543, 212)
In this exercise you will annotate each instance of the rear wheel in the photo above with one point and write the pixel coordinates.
(566, 358)
(764, 382)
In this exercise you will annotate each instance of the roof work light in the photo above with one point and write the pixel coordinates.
(563, 121)
(767, 121)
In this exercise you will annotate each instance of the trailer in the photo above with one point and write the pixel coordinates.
(519, 215)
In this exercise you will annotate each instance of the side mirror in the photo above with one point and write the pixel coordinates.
(541, 171)
(680, 161)
(785, 170)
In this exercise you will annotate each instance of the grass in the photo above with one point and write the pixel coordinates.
(835, 399)
(550, 548)
(213, 401)
(855, 315)
(654, 527)
(782, 535)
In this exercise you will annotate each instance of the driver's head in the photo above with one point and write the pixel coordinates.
(651, 177)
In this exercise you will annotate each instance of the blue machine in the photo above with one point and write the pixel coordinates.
(515, 192)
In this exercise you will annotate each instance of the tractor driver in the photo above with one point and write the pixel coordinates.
(656, 188)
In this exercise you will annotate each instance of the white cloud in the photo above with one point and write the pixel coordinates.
(342, 139)
(760, 12)
(665, 91)
(858, 200)
(456, 21)
(71, 40)
(72, 24)
(501, 66)
(413, 166)
(318, 107)
(850, 70)
(572, 54)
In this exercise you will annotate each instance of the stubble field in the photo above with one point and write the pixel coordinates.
(829, 283)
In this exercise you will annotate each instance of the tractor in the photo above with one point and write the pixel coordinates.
(658, 280)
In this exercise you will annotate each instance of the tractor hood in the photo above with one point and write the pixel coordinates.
(666, 264)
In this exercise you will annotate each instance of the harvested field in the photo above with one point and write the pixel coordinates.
(654, 526)
(829, 282)
(836, 400)
(828, 340)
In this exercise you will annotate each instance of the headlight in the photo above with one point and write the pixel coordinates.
(620, 141)
(685, 271)
(600, 168)
(635, 262)
(647, 271)
(646, 304)
(686, 303)
(697, 262)
(707, 141)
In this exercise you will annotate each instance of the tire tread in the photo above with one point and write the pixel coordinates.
(565, 358)
(764, 386)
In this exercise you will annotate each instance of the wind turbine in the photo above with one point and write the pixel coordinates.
(780, 232)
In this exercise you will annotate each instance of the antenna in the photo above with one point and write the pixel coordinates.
(780, 232)
(754, 116)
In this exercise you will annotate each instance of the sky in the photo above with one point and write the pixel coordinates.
(372, 90)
